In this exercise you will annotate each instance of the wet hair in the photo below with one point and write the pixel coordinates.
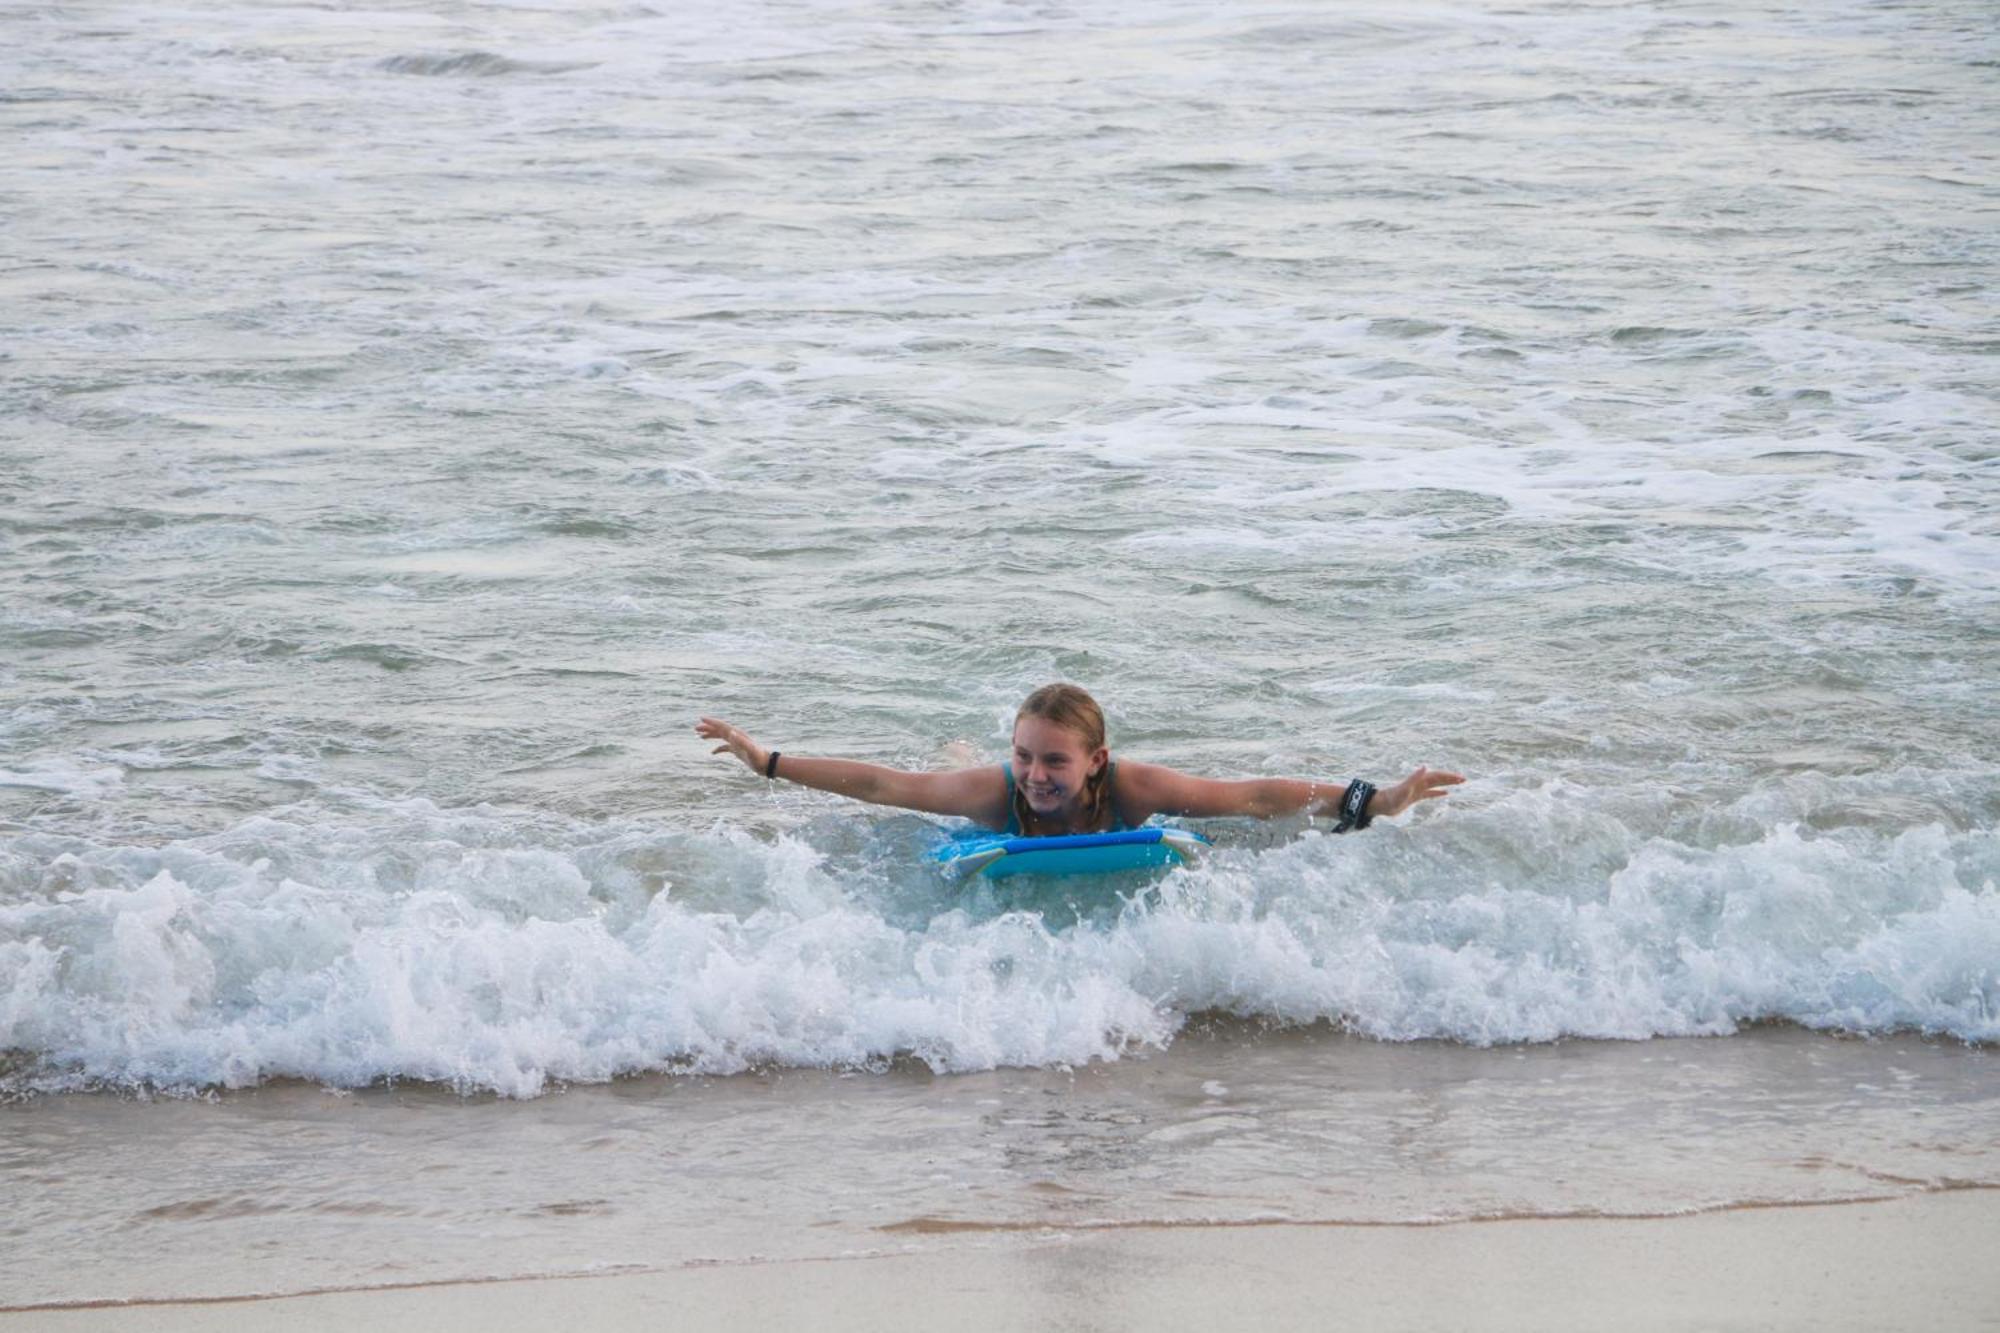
(1071, 707)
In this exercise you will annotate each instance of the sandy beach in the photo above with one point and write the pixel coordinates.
(1920, 1262)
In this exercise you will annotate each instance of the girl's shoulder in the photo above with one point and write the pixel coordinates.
(1132, 789)
(1137, 778)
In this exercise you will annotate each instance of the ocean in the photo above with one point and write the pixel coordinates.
(414, 416)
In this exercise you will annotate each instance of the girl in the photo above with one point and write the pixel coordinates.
(1062, 779)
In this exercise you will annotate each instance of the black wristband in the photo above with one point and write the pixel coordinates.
(1354, 806)
(771, 766)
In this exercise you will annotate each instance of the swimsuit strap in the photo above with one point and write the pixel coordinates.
(1013, 828)
(1118, 824)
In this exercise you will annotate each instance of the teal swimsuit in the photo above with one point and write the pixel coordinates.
(1013, 829)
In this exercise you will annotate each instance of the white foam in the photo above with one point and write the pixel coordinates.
(64, 775)
(467, 948)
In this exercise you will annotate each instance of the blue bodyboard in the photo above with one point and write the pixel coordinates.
(995, 854)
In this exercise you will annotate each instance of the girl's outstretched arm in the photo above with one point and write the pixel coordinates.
(1155, 789)
(978, 794)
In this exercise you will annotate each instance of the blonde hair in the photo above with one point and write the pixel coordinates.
(1070, 707)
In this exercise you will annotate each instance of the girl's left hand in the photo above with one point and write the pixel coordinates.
(1426, 784)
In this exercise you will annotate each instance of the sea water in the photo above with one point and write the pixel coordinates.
(413, 417)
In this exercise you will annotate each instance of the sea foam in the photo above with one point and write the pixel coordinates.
(490, 950)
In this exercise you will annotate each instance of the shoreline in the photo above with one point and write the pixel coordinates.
(1918, 1260)
(43, 1084)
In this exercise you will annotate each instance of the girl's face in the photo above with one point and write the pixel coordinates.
(1051, 765)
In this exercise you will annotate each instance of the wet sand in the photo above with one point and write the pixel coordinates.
(1923, 1261)
(1778, 1178)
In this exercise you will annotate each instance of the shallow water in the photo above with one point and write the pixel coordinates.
(288, 1188)
(416, 416)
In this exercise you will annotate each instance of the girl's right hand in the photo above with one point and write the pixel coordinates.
(734, 741)
(1426, 784)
